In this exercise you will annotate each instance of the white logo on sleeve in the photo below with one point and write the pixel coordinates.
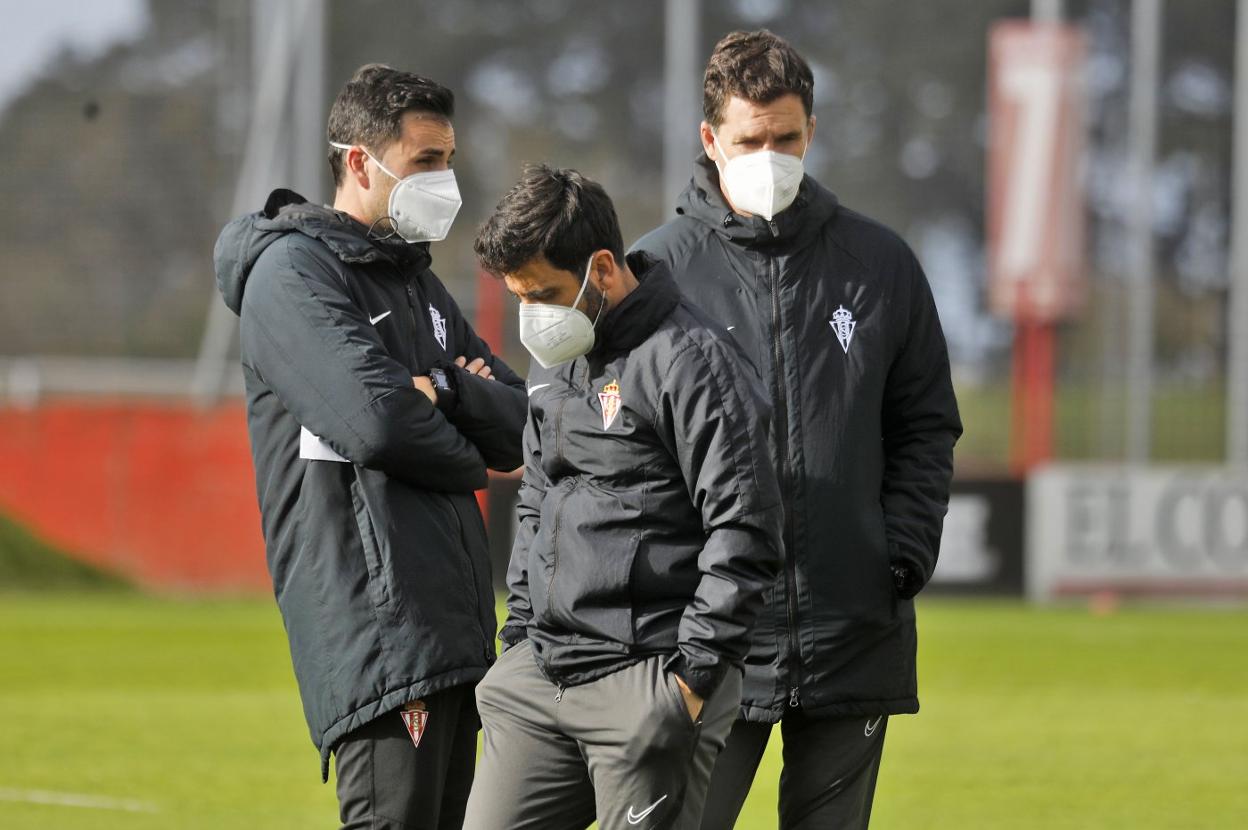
(843, 324)
(439, 326)
(871, 726)
(375, 320)
(533, 389)
(638, 818)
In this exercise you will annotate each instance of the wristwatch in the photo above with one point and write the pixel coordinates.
(444, 386)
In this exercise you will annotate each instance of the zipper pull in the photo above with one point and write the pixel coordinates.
(559, 694)
(793, 698)
(775, 232)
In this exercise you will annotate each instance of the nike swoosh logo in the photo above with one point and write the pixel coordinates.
(871, 727)
(379, 318)
(730, 328)
(638, 818)
(533, 389)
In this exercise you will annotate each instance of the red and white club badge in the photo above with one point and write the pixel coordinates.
(415, 717)
(609, 397)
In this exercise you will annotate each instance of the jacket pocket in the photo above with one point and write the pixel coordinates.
(589, 587)
(379, 582)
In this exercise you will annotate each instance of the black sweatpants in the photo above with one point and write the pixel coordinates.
(828, 780)
(622, 748)
(386, 782)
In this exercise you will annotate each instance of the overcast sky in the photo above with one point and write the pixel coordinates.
(34, 33)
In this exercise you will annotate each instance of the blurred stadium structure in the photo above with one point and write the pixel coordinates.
(134, 129)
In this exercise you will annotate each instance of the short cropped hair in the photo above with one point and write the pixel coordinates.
(369, 109)
(757, 66)
(554, 213)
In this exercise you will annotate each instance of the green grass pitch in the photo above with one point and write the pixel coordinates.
(131, 712)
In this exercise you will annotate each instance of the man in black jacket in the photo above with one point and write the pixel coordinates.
(374, 411)
(649, 527)
(838, 317)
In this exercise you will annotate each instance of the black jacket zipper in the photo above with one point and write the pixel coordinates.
(786, 480)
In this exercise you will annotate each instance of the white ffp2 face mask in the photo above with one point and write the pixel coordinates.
(763, 182)
(555, 334)
(422, 206)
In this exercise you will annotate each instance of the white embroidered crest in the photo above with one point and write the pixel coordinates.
(609, 397)
(439, 326)
(843, 324)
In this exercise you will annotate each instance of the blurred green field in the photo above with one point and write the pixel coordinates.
(185, 715)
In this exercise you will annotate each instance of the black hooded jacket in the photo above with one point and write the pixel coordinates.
(837, 315)
(649, 514)
(379, 558)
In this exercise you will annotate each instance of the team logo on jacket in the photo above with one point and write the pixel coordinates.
(415, 717)
(439, 326)
(609, 397)
(843, 324)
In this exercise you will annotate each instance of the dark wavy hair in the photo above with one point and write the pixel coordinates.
(369, 109)
(757, 66)
(553, 213)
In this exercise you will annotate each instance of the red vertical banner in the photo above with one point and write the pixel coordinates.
(1035, 210)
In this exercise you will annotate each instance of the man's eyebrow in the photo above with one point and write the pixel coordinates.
(538, 294)
(431, 152)
(792, 135)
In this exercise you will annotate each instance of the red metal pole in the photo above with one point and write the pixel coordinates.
(1033, 395)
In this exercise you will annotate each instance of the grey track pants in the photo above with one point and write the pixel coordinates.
(622, 749)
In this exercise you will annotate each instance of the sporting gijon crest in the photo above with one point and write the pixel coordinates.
(439, 326)
(843, 324)
(609, 397)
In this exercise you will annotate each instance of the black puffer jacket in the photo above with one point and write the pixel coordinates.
(649, 512)
(839, 319)
(380, 564)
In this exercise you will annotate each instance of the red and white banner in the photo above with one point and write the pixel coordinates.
(1035, 211)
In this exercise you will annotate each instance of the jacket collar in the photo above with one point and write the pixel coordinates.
(347, 238)
(703, 200)
(627, 326)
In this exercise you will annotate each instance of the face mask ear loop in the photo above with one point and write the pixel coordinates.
(723, 158)
(393, 232)
(344, 147)
(597, 316)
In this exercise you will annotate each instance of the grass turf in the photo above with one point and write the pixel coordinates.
(1032, 719)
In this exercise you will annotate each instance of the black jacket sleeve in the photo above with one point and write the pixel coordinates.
(920, 427)
(528, 517)
(313, 346)
(490, 413)
(715, 414)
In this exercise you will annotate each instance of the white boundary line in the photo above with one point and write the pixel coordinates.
(90, 802)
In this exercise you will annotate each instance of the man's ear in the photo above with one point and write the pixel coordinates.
(355, 162)
(606, 269)
(708, 140)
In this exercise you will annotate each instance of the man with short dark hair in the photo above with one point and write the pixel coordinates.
(649, 523)
(374, 411)
(838, 316)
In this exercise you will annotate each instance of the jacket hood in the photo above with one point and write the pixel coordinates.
(703, 200)
(637, 316)
(244, 239)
